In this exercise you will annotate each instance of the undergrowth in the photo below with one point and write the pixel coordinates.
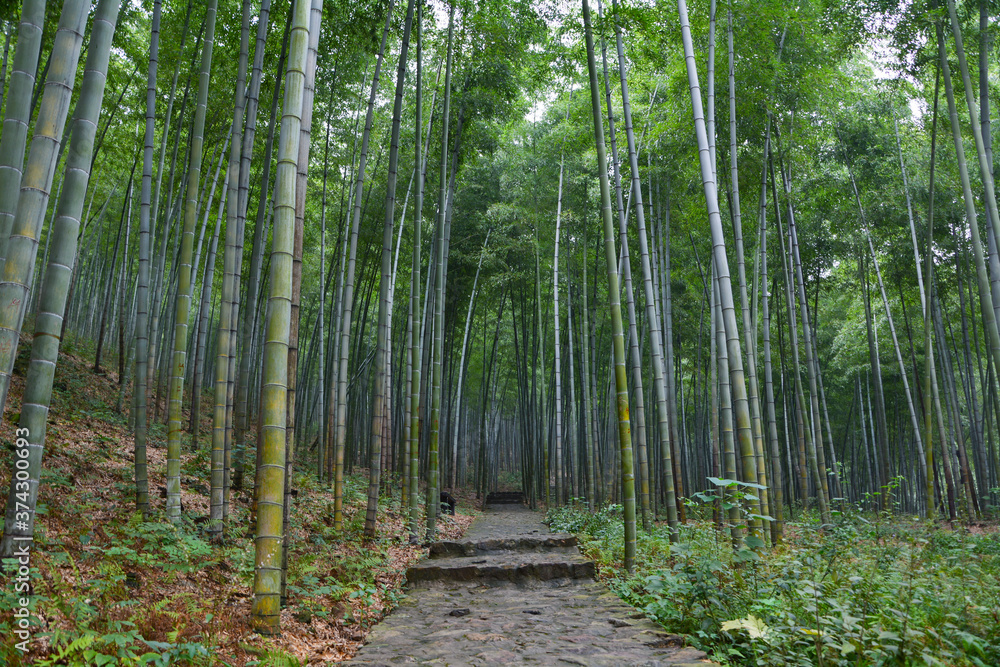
(109, 587)
(126, 592)
(869, 590)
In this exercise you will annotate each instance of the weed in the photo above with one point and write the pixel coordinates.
(869, 590)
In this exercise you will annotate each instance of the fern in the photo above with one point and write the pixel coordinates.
(160, 607)
(78, 645)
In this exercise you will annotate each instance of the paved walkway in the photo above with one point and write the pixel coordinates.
(513, 593)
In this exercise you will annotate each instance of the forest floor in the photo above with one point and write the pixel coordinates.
(109, 588)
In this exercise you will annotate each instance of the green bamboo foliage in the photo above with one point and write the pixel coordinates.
(22, 247)
(3, 66)
(265, 614)
(182, 307)
(55, 284)
(617, 331)
(155, 290)
(989, 317)
(17, 109)
(985, 164)
(142, 287)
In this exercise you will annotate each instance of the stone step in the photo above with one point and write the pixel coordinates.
(552, 542)
(505, 498)
(512, 567)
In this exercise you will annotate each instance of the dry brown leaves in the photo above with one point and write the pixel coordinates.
(92, 456)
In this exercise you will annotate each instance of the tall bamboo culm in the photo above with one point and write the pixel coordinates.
(22, 246)
(266, 609)
(741, 411)
(437, 357)
(413, 436)
(182, 306)
(17, 105)
(64, 232)
(142, 288)
(652, 315)
(381, 411)
(225, 349)
(617, 331)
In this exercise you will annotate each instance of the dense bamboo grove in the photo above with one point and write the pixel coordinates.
(553, 248)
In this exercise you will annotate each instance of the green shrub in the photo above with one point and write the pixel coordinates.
(870, 590)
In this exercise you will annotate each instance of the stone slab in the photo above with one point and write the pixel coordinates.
(474, 604)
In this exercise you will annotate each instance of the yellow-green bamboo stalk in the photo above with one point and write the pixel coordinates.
(741, 410)
(625, 268)
(142, 288)
(413, 436)
(247, 331)
(55, 285)
(926, 303)
(182, 307)
(301, 182)
(265, 613)
(652, 316)
(22, 246)
(348, 297)
(437, 354)
(617, 331)
(224, 347)
(778, 525)
(18, 105)
(381, 410)
(749, 330)
(727, 445)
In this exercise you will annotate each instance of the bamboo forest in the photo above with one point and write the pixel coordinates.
(454, 332)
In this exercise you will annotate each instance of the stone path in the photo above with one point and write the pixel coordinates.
(513, 593)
